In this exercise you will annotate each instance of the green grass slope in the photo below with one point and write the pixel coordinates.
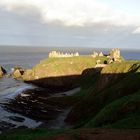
(54, 67)
(118, 113)
(120, 80)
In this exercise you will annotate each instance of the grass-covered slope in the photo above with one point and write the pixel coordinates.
(73, 134)
(116, 81)
(54, 67)
(119, 113)
(30, 134)
(60, 73)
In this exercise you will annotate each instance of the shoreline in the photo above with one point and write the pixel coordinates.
(30, 102)
(12, 120)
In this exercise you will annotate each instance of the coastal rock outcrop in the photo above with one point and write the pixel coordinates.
(63, 73)
(2, 71)
(17, 72)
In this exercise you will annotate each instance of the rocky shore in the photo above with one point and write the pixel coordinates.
(10, 89)
(42, 105)
(47, 108)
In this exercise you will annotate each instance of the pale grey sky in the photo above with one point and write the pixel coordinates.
(82, 23)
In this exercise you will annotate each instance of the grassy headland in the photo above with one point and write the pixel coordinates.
(54, 67)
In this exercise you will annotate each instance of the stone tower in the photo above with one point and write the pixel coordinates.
(115, 54)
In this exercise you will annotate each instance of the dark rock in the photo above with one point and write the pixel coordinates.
(35, 106)
(22, 127)
(17, 119)
(2, 71)
(4, 126)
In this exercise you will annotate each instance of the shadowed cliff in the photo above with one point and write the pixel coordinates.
(107, 89)
(58, 84)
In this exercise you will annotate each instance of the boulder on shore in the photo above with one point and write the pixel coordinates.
(2, 71)
(17, 72)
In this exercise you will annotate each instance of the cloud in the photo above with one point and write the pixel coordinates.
(136, 31)
(26, 30)
(72, 12)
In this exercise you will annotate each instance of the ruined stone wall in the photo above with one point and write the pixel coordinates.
(54, 54)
